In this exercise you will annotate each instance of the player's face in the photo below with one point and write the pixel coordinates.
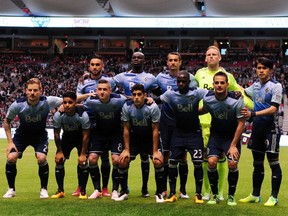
(213, 57)
(69, 105)
(173, 62)
(138, 60)
(96, 67)
(183, 83)
(263, 72)
(138, 98)
(33, 92)
(103, 91)
(220, 84)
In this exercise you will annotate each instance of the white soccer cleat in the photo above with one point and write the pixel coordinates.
(122, 197)
(10, 193)
(96, 194)
(114, 195)
(44, 193)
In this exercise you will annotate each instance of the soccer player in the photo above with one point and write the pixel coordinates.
(265, 137)
(227, 125)
(32, 111)
(141, 135)
(126, 81)
(204, 77)
(168, 81)
(187, 136)
(75, 125)
(89, 85)
(106, 133)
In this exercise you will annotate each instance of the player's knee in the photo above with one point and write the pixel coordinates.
(93, 158)
(212, 162)
(124, 164)
(115, 160)
(232, 164)
(41, 158)
(12, 158)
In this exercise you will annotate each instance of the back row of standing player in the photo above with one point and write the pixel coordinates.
(163, 82)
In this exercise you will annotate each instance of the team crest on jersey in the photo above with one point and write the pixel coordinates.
(192, 98)
(266, 90)
(146, 114)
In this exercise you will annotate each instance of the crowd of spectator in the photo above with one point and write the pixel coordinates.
(60, 73)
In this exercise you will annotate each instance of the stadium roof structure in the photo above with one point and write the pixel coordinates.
(145, 8)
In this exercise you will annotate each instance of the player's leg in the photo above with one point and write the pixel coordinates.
(213, 179)
(159, 170)
(233, 176)
(145, 169)
(222, 172)
(206, 185)
(183, 175)
(257, 177)
(105, 172)
(123, 167)
(83, 176)
(276, 178)
(43, 174)
(11, 172)
(94, 174)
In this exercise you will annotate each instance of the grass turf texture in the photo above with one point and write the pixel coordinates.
(27, 201)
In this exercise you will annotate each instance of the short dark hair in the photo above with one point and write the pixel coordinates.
(70, 94)
(138, 87)
(174, 53)
(96, 56)
(103, 81)
(221, 73)
(264, 61)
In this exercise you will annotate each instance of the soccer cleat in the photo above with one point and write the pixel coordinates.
(172, 198)
(206, 196)
(10, 193)
(105, 192)
(271, 201)
(198, 199)
(77, 192)
(123, 196)
(221, 197)
(96, 194)
(159, 198)
(145, 193)
(231, 200)
(165, 194)
(214, 199)
(44, 193)
(58, 194)
(251, 199)
(115, 195)
(83, 196)
(183, 195)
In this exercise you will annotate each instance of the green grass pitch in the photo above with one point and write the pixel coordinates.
(27, 201)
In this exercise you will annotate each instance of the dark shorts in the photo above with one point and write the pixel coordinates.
(218, 144)
(38, 141)
(265, 142)
(166, 132)
(191, 142)
(142, 146)
(102, 144)
(69, 142)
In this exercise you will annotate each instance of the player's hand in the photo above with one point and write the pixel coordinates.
(83, 77)
(158, 159)
(234, 154)
(150, 100)
(59, 158)
(82, 159)
(124, 155)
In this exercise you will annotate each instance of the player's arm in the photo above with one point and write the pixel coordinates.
(7, 128)
(265, 112)
(85, 142)
(233, 151)
(82, 97)
(202, 110)
(157, 156)
(126, 135)
(59, 158)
